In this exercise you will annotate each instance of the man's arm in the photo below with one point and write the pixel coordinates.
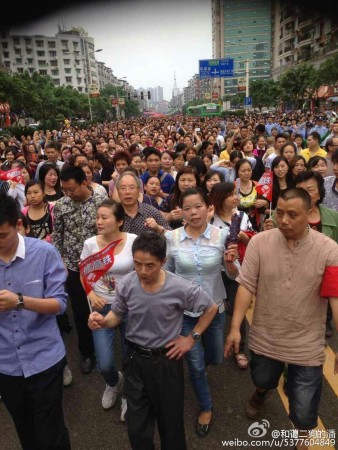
(8, 301)
(58, 230)
(96, 321)
(181, 345)
(242, 303)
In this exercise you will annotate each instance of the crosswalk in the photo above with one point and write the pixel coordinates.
(328, 374)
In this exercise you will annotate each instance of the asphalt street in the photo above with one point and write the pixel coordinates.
(91, 427)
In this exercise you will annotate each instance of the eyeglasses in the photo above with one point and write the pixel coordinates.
(70, 190)
(127, 188)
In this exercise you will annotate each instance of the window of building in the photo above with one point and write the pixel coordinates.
(55, 72)
(40, 53)
(28, 51)
(75, 45)
(68, 79)
(66, 61)
(54, 63)
(16, 41)
(7, 64)
(6, 54)
(43, 72)
(18, 60)
(51, 44)
(42, 63)
(5, 45)
(20, 70)
(68, 70)
(64, 43)
(28, 41)
(39, 44)
(57, 82)
(30, 61)
(52, 54)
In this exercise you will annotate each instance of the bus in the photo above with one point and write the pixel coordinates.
(205, 110)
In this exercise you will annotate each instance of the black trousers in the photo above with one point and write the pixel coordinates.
(35, 404)
(154, 389)
(81, 312)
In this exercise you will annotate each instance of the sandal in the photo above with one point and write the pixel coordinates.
(242, 361)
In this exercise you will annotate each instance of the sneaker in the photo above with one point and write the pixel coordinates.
(123, 409)
(67, 376)
(110, 393)
(255, 404)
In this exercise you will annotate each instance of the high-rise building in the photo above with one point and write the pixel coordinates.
(241, 29)
(158, 94)
(68, 57)
(301, 35)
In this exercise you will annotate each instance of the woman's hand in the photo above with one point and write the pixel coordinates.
(261, 203)
(96, 301)
(175, 214)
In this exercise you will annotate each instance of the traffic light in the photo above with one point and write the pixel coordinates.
(149, 95)
(128, 95)
(141, 95)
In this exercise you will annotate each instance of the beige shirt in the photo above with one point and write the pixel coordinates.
(289, 316)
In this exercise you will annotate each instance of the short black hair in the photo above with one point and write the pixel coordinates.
(9, 210)
(315, 135)
(196, 191)
(73, 173)
(152, 243)
(292, 193)
(148, 151)
(198, 164)
(308, 175)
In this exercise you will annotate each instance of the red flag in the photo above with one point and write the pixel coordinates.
(11, 175)
(95, 266)
(264, 187)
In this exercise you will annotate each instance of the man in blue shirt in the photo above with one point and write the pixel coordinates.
(153, 160)
(32, 354)
(319, 127)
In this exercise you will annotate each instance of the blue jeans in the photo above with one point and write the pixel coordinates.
(209, 350)
(304, 387)
(104, 349)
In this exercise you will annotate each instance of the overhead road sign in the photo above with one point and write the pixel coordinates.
(216, 68)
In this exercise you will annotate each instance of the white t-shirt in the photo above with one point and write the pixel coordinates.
(105, 287)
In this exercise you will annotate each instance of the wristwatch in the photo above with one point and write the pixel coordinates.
(20, 304)
(196, 336)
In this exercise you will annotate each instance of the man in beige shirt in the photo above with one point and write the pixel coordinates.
(290, 270)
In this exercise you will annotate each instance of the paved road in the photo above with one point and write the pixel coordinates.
(92, 428)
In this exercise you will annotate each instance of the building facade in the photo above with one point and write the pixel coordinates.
(68, 57)
(242, 30)
(301, 35)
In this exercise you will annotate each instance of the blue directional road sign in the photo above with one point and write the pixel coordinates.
(247, 101)
(216, 68)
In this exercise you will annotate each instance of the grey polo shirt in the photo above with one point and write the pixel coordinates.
(154, 319)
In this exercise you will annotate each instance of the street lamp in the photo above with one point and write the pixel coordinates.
(122, 79)
(88, 77)
(247, 67)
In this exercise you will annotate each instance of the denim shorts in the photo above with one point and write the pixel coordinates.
(304, 387)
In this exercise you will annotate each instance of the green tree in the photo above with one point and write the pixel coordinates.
(264, 92)
(299, 83)
(328, 71)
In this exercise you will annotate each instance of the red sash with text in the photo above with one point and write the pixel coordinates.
(11, 175)
(95, 266)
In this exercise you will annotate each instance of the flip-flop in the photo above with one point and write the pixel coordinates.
(242, 361)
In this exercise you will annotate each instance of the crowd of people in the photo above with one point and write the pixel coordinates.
(173, 204)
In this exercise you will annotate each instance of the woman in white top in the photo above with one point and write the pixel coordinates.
(109, 221)
(98, 188)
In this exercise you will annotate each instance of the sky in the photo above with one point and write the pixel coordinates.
(145, 41)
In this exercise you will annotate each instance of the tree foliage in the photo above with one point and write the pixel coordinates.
(299, 83)
(36, 96)
(264, 92)
(328, 71)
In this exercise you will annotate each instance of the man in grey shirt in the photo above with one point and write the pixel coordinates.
(155, 301)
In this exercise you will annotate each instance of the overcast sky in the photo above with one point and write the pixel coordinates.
(144, 40)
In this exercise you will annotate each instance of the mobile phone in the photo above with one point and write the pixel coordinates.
(197, 129)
